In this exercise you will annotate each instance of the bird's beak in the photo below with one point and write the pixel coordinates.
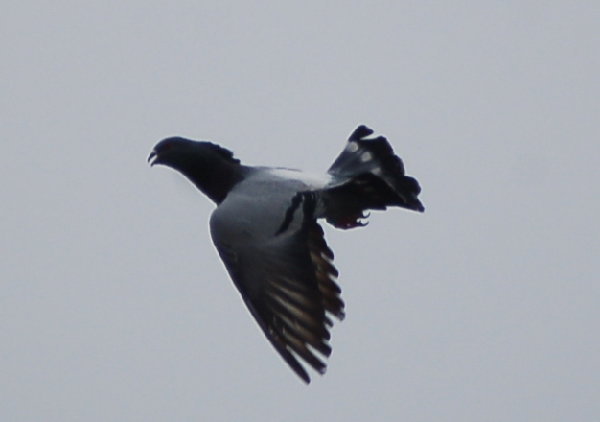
(152, 158)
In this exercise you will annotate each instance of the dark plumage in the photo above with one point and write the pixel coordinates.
(266, 232)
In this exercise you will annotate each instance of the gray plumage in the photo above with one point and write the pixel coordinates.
(266, 232)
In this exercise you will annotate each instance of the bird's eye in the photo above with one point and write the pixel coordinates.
(165, 147)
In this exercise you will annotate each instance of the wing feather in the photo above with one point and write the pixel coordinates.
(288, 282)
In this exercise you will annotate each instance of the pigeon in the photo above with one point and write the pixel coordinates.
(266, 231)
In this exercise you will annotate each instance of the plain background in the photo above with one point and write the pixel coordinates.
(113, 302)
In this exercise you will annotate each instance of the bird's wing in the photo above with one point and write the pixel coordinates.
(287, 278)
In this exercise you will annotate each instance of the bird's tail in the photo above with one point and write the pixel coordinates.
(375, 180)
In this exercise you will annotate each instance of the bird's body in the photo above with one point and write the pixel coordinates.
(266, 232)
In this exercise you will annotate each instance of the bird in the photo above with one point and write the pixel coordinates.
(266, 231)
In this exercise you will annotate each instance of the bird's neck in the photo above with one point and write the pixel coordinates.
(217, 180)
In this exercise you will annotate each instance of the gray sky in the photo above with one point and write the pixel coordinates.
(113, 302)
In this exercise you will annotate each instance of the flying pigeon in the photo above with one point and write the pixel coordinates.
(266, 230)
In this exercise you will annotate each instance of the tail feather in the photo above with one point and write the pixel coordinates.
(376, 179)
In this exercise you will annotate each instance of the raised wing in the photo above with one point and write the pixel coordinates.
(374, 179)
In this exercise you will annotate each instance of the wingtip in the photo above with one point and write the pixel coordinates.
(361, 132)
(301, 372)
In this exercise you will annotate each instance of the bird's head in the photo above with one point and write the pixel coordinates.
(212, 168)
(179, 153)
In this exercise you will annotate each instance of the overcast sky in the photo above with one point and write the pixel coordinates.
(114, 305)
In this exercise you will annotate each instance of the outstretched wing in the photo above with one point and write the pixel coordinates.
(288, 282)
